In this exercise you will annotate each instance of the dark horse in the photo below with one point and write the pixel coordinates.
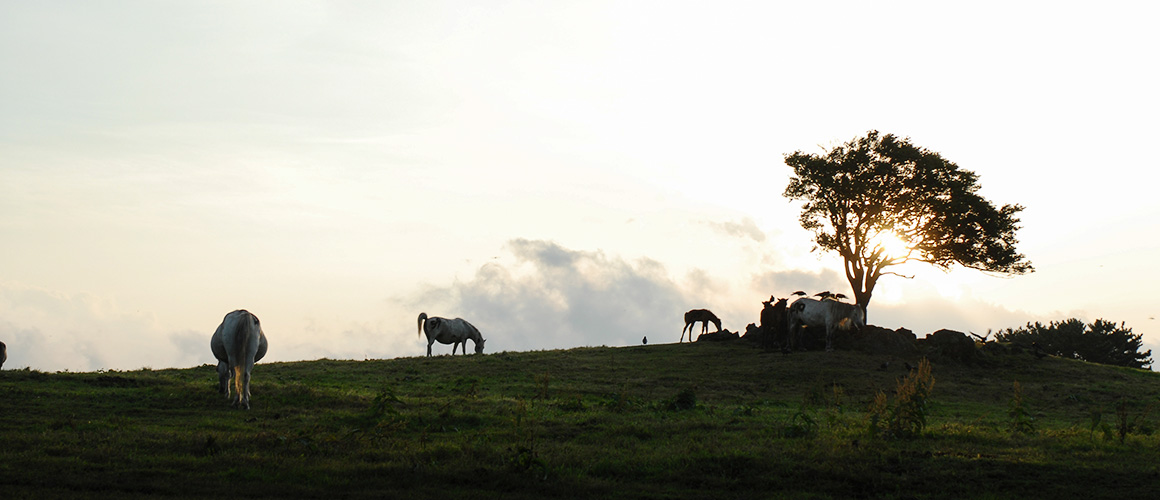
(773, 320)
(705, 316)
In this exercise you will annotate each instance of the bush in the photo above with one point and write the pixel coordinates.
(1098, 342)
(906, 416)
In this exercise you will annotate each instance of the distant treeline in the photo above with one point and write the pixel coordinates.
(1099, 342)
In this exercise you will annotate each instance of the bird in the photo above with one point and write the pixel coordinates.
(839, 296)
(644, 341)
(825, 295)
(799, 292)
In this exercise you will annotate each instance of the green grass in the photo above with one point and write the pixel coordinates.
(708, 420)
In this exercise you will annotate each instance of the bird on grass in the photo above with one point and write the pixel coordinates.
(644, 341)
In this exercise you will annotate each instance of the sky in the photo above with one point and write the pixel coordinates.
(561, 174)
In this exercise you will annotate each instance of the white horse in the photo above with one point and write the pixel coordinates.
(829, 314)
(450, 331)
(238, 342)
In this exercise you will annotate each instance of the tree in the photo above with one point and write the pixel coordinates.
(879, 201)
(1100, 342)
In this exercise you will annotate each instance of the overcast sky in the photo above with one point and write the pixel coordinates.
(560, 174)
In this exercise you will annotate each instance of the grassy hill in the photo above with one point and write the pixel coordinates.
(704, 420)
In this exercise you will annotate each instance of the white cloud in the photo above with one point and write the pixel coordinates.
(746, 228)
(554, 297)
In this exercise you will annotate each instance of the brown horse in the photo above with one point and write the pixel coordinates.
(773, 321)
(705, 316)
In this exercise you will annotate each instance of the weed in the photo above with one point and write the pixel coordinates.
(382, 406)
(1021, 421)
(906, 417)
(468, 387)
(618, 402)
(684, 400)
(523, 456)
(801, 424)
(542, 386)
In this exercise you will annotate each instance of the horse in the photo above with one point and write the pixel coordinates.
(3, 354)
(773, 320)
(705, 316)
(238, 342)
(830, 314)
(450, 331)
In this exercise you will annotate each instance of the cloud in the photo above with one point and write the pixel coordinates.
(554, 297)
(783, 283)
(48, 330)
(746, 228)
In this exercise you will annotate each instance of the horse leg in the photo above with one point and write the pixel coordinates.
(239, 388)
(224, 378)
(245, 400)
(429, 342)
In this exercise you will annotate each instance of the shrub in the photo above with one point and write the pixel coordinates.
(906, 416)
(1099, 342)
(1021, 421)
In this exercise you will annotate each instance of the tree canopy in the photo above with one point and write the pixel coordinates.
(1100, 342)
(880, 201)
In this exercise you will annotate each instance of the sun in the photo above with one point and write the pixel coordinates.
(893, 246)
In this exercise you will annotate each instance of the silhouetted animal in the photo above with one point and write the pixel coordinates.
(644, 341)
(799, 292)
(238, 342)
(3, 354)
(773, 321)
(828, 314)
(449, 331)
(704, 316)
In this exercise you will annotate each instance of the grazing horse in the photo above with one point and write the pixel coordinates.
(830, 314)
(705, 316)
(772, 321)
(450, 331)
(238, 342)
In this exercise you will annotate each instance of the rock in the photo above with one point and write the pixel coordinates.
(949, 345)
(878, 340)
(718, 336)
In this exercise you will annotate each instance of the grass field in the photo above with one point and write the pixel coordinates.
(703, 420)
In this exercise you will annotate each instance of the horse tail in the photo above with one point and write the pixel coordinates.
(422, 316)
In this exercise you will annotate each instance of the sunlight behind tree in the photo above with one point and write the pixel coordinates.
(879, 201)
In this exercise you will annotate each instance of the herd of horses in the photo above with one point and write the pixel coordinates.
(783, 323)
(239, 341)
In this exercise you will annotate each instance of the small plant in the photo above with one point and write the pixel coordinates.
(801, 424)
(383, 405)
(684, 400)
(906, 417)
(1021, 421)
(1123, 427)
(467, 386)
(618, 402)
(542, 385)
(523, 456)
